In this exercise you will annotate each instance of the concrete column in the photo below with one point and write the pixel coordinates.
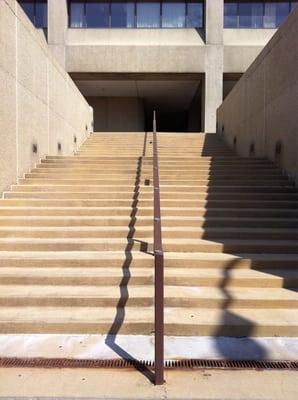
(213, 82)
(214, 10)
(213, 86)
(57, 28)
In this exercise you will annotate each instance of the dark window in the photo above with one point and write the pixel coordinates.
(97, 14)
(37, 12)
(122, 15)
(251, 15)
(294, 4)
(230, 15)
(195, 15)
(41, 15)
(275, 13)
(148, 15)
(139, 13)
(77, 15)
(256, 14)
(173, 14)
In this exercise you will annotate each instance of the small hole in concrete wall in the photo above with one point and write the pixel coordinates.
(222, 129)
(278, 151)
(235, 141)
(75, 139)
(34, 148)
(59, 146)
(86, 128)
(147, 182)
(252, 149)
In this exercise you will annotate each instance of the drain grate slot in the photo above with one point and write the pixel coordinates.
(169, 364)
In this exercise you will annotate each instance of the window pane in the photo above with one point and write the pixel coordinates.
(148, 15)
(250, 15)
(123, 15)
(77, 15)
(194, 15)
(173, 15)
(294, 4)
(230, 15)
(97, 14)
(275, 14)
(28, 7)
(41, 14)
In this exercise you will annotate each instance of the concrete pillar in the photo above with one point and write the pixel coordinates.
(213, 82)
(57, 28)
(214, 10)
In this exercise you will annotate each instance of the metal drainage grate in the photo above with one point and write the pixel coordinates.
(169, 364)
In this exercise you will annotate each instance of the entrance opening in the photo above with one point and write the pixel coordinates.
(125, 102)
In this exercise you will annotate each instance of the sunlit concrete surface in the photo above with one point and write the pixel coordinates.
(142, 347)
(91, 384)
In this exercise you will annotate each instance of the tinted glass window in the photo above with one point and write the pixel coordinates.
(97, 14)
(148, 15)
(122, 15)
(173, 15)
(194, 15)
(294, 4)
(77, 11)
(231, 15)
(41, 15)
(275, 14)
(28, 7)
(250, 15)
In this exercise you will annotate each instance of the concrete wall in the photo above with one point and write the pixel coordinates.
(112, 114)
(39, 103)
(262, 108)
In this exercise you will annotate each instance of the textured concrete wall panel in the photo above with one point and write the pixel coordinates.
(262, 107)
(39, 103)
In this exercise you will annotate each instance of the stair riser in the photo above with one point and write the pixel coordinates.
(145, 328)
(148, 212)
(181, 196)
(232, 249)
(145, 263)
(107, 246)
(130, 202)
(179, 234)
(169, 181)
(146, 280)
(147, 247)
(80, 301)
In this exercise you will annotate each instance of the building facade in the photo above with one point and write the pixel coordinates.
(178, 57)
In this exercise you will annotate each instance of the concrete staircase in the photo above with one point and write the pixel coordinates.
(76, 241)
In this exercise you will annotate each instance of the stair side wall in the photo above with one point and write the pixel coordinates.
(39, 103)
(262, 108)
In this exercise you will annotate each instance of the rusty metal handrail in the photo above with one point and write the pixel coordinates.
(158, 268)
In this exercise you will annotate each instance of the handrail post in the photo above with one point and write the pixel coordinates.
(158, 269)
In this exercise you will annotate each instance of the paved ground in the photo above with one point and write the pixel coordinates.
(16, 383)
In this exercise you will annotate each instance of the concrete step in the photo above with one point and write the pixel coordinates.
(134, 221)
(145, 195)
(147, 202)
(139, 320)
(135, 296)
(147, 232)
(148, 211)
(134, 259)
(214, 277)
(145, 244)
